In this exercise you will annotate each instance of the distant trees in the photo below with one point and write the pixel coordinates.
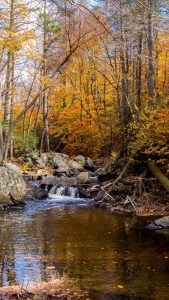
(78, 76)
(14, 36)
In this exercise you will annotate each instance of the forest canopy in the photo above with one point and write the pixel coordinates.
(87, 77)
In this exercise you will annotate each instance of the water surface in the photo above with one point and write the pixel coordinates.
(90, 245)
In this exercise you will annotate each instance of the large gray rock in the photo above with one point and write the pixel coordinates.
(34, 155)
(60, 162)
(163, 222)
(12, 167)
(40, 163)
(31, 157)
(29, 161)
(44, 158)
(74, 166)
(83, 178)
(12, 187)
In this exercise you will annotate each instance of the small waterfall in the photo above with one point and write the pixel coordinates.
(62, 190)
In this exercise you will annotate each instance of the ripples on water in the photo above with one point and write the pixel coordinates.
(98, 249)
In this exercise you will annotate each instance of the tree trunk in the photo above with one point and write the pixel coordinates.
(158, 174)
(139, 72)
(151, 58)
(45, 134)
(9, 89)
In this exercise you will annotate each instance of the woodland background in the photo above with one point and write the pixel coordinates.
(85, 77)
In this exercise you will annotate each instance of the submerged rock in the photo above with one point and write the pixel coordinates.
(161, 223)
(35, 194)
(12, 186)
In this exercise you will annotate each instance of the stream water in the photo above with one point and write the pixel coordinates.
(64, 235)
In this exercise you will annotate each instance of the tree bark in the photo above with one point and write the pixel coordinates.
(45, 133)
(151, 56)
(158, 174)
(139, 72)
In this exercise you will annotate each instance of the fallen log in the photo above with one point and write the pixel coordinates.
(112, 184)
(158, 174)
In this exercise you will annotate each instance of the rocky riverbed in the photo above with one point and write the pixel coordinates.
(119, 194)
(32, 175)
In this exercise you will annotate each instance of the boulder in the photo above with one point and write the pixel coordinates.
(104, 170)
(44, 158)
(12, 167)
(12, 187)
(40, 163)
(31, 157)
(80, 160)
(161, 223)
(35, 193)
(60, 162)
(74, 166)
(89, 163)
(29, 161)
(83, 178)
(34, 155)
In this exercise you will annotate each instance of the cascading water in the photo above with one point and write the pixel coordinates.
(64, 191)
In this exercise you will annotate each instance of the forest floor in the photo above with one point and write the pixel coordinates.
(132, 189)
(61, 289)
(147, 205)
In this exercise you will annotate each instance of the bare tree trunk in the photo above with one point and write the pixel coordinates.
(151, 57)
(45, 134)
(139, 72)
(7, 97)
(45, 122)
(1, 144)
(12, 100)
(37, 117)
(125, 83)
(8, 89)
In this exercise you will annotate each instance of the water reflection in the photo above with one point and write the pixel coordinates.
(86, 243)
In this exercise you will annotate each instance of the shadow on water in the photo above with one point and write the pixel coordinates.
(92, 246)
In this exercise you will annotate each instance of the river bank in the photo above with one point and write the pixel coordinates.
(61, 289)
(132, 188)
(135, 197)
(121, 186)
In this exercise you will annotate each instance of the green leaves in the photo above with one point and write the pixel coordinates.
(30, 140)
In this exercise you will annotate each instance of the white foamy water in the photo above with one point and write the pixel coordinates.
(64, 192)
